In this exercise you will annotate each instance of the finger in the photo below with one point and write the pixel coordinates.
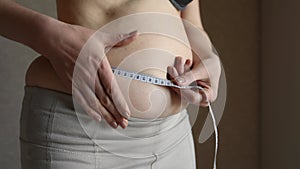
(205, 95)
(175, 78)
(187, 65)
(192, 96)
(186, 68)
(90, 102)
(179, 64)
(172, 74)
(108, 104)
(109, 82)
(126, 41)
(186, 78)
(85, 106)
(212, 90)
(207, 92)
(108, 117)
(113, 39)
(189, 95)
(85, 94)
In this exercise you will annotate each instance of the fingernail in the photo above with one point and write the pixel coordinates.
(98, 119)
(123, 124)
(179, 80)
(114, 124)
(133, 33)
(127, 115)
(188, 61)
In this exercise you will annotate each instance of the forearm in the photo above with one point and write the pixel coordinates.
(198, 37)
(203, 50)
(206, 61)
(22, 24)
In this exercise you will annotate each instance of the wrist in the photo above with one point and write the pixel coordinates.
(47, 34)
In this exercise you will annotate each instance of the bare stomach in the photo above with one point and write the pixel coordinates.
(148, 54)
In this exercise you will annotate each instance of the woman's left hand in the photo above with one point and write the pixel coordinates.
(184, 72)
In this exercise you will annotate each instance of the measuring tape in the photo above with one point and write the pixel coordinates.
(164, 82)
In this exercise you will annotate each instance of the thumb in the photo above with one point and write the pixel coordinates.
(120, 39)
(186, 78)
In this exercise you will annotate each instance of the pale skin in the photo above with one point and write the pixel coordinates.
(60, 41)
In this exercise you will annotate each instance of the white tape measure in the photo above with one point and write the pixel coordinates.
(164, 82)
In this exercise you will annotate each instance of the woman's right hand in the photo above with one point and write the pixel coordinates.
(61, 45)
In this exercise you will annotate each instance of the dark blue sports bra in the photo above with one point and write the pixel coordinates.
(180, 4)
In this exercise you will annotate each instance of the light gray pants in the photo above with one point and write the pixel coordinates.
(52, 136)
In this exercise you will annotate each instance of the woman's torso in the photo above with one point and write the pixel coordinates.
(149, 53)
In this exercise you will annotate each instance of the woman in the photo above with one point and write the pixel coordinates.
(52, 135)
